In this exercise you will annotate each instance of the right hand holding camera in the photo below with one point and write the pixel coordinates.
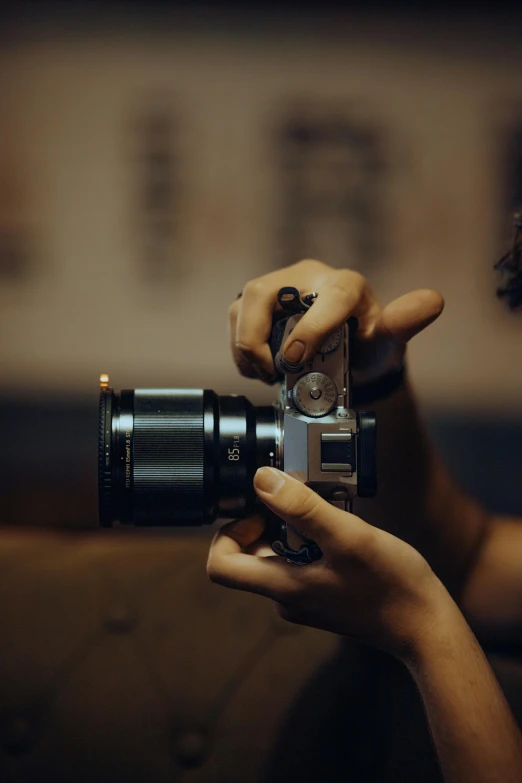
(381, 336)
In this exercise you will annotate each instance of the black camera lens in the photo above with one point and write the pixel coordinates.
(180, 456)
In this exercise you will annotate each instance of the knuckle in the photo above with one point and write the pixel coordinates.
(304, 504)
(350, 276)
(313, 327)
(254, 288)
(233, 309)
(311, 508)
(346, 280)
(244, 367)
(214, 573)
(245, 350)
(310, 264)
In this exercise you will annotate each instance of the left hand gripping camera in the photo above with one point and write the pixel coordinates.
(188, 456)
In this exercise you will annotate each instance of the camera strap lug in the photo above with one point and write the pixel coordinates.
(307, 553)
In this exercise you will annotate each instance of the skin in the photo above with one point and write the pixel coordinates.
(426, 558)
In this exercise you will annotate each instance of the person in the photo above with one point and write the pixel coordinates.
(427, 568)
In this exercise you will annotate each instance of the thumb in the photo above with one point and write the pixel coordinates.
(408, 315)
(309, 514)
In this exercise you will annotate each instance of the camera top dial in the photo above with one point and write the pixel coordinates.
(331, 342)
(314, 395)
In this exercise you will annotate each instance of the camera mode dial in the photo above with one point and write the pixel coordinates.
(314, 395)
(331, 342)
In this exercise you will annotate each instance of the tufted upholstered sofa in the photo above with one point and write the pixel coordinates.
(119, 661)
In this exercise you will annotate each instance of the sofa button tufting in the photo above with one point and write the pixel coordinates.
(18, 736)
(192, 749)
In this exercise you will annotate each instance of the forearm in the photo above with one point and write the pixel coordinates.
(417, 498)
(474, 732)
(492, 598)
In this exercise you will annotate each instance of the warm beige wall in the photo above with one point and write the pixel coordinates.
(72, 105)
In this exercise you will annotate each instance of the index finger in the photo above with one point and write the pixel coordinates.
(254, 323)
(345, 294)
(228, 565)
(251, 317)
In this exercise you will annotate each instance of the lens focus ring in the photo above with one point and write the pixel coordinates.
(168, 456)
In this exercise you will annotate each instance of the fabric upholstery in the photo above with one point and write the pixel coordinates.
(119, 661)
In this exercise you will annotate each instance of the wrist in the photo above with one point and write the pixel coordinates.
(438, 624)
(403, 396)
(381, 388)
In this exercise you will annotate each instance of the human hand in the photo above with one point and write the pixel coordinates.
(381, 337)
(368, 584)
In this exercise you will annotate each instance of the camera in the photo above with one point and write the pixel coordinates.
(188, 456)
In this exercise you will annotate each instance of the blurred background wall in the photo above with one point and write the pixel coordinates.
(154, 158)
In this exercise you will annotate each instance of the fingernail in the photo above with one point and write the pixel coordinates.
(270, 480)
(295, 352)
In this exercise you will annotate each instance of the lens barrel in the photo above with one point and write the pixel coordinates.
(180, 456)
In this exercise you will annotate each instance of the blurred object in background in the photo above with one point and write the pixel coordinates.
(153, 159)
(332, 188)
(17, 240)
(160, 261)
(512, 170)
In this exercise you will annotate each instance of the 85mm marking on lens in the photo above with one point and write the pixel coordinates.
(234, 453)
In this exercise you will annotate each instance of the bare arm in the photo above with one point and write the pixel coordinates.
(492, 596)
(418, 500)
(478, 556)
(474, 732)
(376, 588)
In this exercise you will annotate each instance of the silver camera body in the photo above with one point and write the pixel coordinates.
(327, 445)
(320, 429)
